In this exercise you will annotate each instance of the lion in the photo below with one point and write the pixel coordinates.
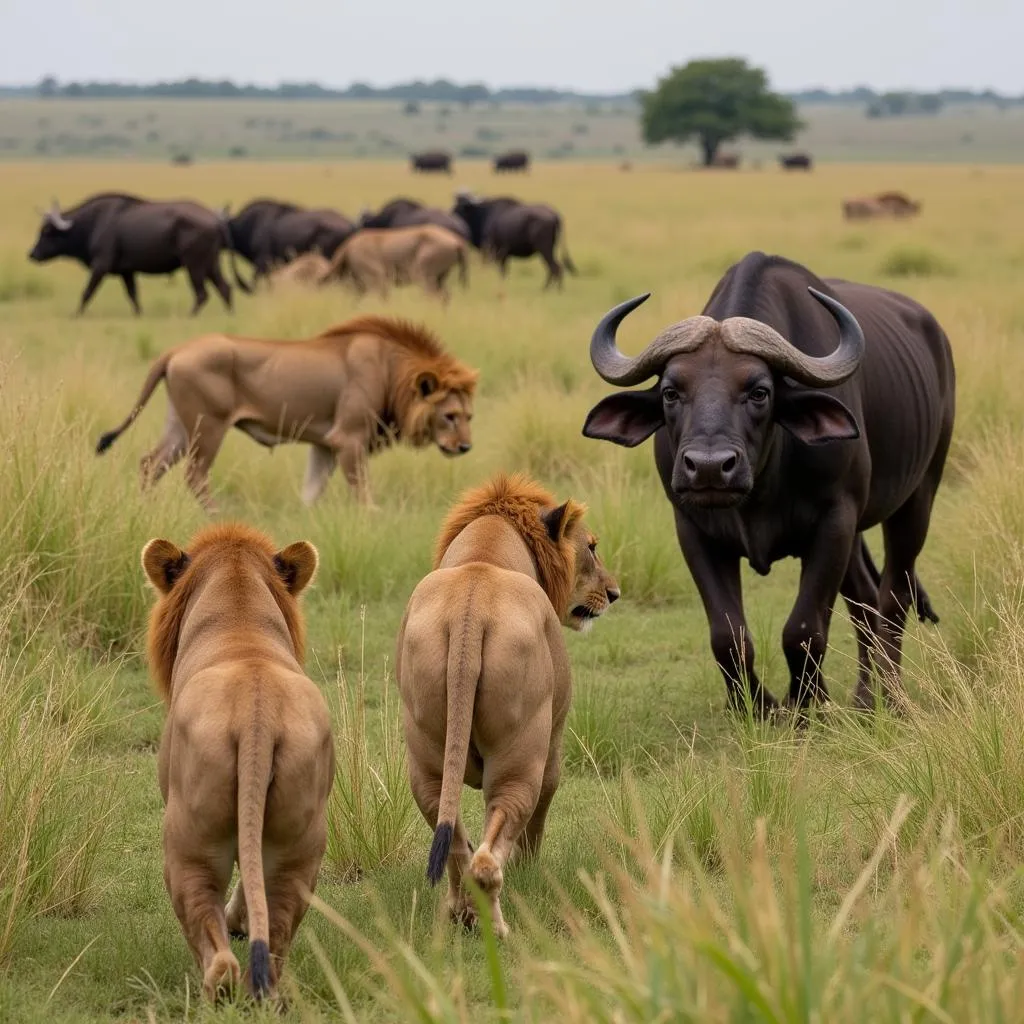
(375, 258)
(348, 392)
(246, 760)
(484, 675)
(306, 271)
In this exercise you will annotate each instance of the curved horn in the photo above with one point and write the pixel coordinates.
(605, 356)
(57, 219)
(625, 371)
(758, 339)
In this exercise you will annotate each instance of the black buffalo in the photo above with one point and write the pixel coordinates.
(770, 444)
(407, 213)
(113, 233)
(268, 232)
(513, 160)
(503, 227)
(795, 161)
(433, 161)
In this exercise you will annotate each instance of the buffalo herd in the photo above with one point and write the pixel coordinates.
(125, 235)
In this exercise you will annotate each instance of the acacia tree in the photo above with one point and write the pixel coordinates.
(714, 101)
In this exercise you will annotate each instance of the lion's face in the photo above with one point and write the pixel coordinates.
(451, 415)
(594, 587)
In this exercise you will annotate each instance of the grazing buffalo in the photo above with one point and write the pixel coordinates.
(773, 442)
(503, 227)
(513, 160)
(268, 233)
(796, 161)
(408, 213)
(113, 233)
(433, 161)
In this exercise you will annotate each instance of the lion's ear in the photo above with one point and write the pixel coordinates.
(559, 521)
(163, 563)
(296, 565)
(426, 383)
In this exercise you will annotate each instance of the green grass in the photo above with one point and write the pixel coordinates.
(696, 866)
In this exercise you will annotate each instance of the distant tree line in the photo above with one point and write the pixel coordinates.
(898, 104)
(442, 90)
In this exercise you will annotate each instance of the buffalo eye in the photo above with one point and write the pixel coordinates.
(669, 395)
(759, 395)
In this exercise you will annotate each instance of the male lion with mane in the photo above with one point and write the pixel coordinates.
(247, 759)
(348, 392)
(484, 673)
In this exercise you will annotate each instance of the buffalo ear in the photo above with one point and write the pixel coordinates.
(296, 565)
(627, 418)
(815, 418)
(426, 383)
(559, 521)
(163, 564)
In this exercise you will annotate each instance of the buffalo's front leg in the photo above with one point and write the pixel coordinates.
(805, 635)
(717, 575)
(95, 277)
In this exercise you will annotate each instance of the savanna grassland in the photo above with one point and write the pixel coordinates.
(696, 866)
(265, 129)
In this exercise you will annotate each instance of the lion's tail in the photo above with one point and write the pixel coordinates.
(156, 374)
(465, 657)
(255, 764)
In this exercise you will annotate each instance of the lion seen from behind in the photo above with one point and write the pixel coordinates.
(484, 675)
(246, 760)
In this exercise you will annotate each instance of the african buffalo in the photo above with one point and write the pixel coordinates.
(503, 227)
(408, 213)
(513, 160)
(432, 161)
(268, 233)
(769, 445)
(113, 233)
(795, 161)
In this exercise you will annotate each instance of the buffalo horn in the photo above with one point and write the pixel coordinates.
(57, 219)
(740, 334)
(757, 339)
(625, 371)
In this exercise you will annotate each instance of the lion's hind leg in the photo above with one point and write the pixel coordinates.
(426, 789)
(512, 788)
(197, 891)
(169, 449)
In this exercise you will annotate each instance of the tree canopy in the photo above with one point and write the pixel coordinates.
(714, 101)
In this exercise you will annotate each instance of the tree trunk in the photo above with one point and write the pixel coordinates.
(710, 146)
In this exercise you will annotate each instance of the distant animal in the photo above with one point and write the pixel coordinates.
(268, 233)
(407, 213)
(502, 227)
(246, 760)
(885, 204)
(726, 161)
(511, 161)
(484, 674)
(771, 445)
(116, 233)
(376, 258)
(306, 271)
(899, 203)
(348, 392)
(796, 161)
(432, 161)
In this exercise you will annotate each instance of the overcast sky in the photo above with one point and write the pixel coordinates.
(594, 45)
